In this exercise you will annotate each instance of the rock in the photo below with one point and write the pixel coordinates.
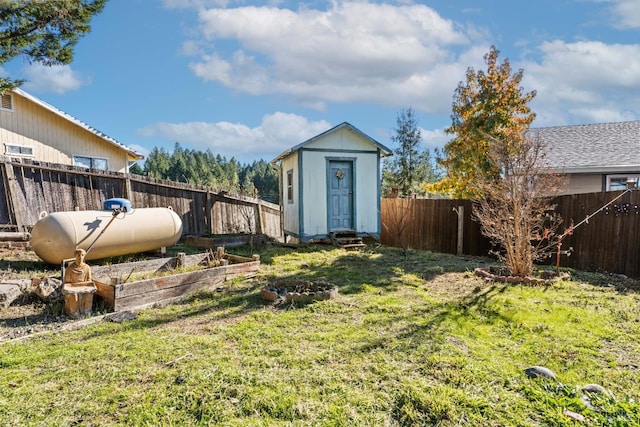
(8, 294)
(574, 415)
(122, 316)
(596, 388)
(23, 284)
(539, 371)
(49, 289)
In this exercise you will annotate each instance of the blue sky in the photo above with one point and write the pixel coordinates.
(251, 79)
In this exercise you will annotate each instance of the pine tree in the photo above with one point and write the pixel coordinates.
(410, 165)
(43, 31)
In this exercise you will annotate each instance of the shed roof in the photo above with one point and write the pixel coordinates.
(600, 147)
(384, 150)
(80, 123)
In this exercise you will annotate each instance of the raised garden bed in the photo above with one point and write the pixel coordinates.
(120, 294)
(298, 291)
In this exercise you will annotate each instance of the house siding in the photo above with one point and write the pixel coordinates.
(291, 209)
(52, 138)
(579, 183)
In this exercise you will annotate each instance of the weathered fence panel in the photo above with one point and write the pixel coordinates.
(430, 225)
(31, 188)
(608, 242)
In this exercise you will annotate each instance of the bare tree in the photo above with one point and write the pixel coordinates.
(515, 209)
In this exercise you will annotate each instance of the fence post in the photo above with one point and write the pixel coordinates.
(13, 189)
(459, 247)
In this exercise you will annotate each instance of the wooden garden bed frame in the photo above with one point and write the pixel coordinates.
(120, 296)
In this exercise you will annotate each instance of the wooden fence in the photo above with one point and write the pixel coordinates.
(608, 242)
(31, 189)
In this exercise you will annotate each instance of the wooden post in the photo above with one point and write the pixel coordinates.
(259, 218)
(180, 259)
(128, 193)
(459, 247)
(12, 188)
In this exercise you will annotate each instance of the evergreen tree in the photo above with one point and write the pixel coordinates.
(205, 168)
(136, 169)
(43, 31)
(158, 163)
(410, 165)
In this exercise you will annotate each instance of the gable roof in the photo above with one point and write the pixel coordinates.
(384, 150)
(77, 122)
(600, 147)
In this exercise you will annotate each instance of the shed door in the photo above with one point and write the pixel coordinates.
(340, 195)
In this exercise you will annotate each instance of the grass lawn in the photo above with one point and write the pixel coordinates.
(410, 340)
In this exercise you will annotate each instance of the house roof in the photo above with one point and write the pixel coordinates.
(595, 148)
(80, 123)
(384, 150)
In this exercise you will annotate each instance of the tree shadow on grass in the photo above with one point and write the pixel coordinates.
(380, 267)
(618, 282)
(476, 305)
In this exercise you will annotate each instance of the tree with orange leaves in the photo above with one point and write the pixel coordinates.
(491, 105)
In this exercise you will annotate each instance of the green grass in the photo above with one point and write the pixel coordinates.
(410, 340)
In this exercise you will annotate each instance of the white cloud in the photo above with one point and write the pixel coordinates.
(55, 79)
(276, 133)
(352, 52)
(626, 13)
(585, 82)
(435, 138)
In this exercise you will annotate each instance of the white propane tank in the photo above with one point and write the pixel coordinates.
(55, 237)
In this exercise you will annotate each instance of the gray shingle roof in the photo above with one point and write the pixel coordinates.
(600, 147)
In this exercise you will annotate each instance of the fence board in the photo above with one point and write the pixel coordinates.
(609, 242)
(33, 187)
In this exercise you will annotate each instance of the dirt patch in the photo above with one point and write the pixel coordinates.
(27, 314)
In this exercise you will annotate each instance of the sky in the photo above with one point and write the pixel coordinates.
(249, 79)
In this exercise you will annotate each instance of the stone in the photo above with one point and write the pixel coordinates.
(595, 388)
(8, 294)
(122, 316)
(49, 289)
(539, 371)
(574, 415)
(23, 284)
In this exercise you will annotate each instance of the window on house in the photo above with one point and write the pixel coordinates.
(619, 182)
(290, 186)
(90, 162)
(18, 150)
(6, 102)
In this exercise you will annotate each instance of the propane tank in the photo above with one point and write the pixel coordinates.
(117, 230)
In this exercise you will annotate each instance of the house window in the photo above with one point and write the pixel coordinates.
(18, 150)
(619, 182)
(90, 162)
(6, 102)
(290, 186)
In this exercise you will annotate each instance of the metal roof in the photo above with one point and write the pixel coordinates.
(600, 147)
(384, 150)
(78, 122)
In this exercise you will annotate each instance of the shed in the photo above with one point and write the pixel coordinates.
(331, 183)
